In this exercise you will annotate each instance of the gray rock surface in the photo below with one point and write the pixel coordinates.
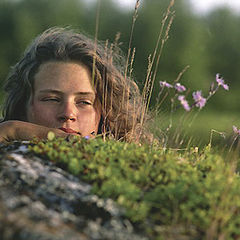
(39, 201)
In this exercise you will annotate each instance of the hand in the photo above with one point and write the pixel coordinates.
(19, 130)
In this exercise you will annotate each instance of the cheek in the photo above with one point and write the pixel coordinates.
(40, 115)
(87, 118)
(88, 121)
(98, 112)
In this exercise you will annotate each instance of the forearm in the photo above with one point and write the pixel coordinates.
(19, 130)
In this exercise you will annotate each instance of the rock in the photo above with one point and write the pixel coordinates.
(39, 201)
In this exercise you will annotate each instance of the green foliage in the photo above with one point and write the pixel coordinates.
(208, 43)
(194, 194)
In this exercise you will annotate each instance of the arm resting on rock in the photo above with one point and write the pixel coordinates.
(19, 130)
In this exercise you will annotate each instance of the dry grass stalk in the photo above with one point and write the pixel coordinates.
(149, 82)
(96, 39)
(135, 15)
(151, 75)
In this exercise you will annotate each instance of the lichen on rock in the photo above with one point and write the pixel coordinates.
(38, 200)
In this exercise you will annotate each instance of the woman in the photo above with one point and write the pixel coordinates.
(68, 84)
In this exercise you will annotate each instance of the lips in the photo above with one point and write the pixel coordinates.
(69, 130)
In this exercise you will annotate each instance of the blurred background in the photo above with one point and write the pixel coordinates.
(207, 38)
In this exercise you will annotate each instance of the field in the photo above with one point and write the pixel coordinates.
(198, 128)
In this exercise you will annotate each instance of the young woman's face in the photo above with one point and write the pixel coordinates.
(64, 98)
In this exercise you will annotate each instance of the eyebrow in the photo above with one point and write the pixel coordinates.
(60, 92)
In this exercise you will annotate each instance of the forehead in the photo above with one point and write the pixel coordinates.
(63, 76)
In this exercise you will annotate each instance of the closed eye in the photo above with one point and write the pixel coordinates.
(51, 99)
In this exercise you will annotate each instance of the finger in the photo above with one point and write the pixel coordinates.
(28, 131)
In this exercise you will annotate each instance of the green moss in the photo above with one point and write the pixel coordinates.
(162, 190)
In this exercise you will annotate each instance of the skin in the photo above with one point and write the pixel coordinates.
(63, 98)
(18, 130)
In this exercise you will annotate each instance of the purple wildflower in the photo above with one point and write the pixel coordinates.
(179, 87)
(87, 137)
(184, 103)
(200, 101)
(236, 130)
(165, 84)
(220, 82)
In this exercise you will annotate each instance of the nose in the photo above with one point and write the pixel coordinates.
(67, 112)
